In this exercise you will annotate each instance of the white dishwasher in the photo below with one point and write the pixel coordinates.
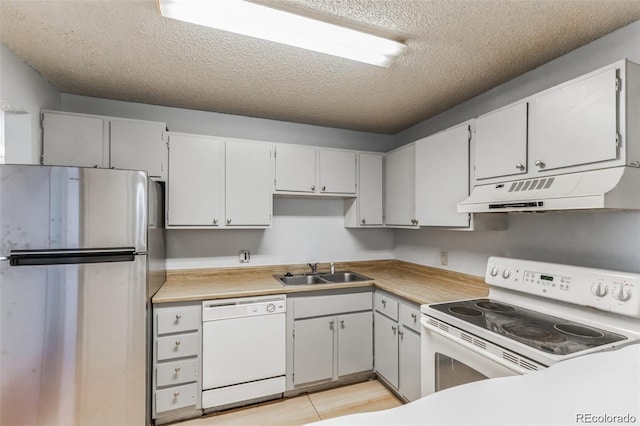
(243, 349)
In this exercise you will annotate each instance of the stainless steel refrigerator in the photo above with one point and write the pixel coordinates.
(81, 253)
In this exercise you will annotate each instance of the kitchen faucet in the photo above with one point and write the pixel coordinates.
(314, 267)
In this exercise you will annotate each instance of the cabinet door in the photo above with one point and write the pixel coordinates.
(73, 140)
(196, 170)
(248, 184)
(576, 124)
(337, 172)
(501, 142)
(399, 188)
(295, 168)
(386, 348)
(355, 343)
(139, 145)
(409, 365)
(370, 189)
(313, 349)
(442, 177)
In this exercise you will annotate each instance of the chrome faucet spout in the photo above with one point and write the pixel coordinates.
(314, 267)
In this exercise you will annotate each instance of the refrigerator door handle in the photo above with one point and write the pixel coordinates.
(70, 256)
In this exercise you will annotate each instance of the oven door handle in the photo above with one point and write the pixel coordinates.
(475, 349)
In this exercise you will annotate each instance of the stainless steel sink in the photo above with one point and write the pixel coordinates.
(320, 278)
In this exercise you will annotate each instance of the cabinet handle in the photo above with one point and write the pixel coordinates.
(331, 325)
(384, 303)
(313, 187)
(228, 221)
(176, 394)
(215, 220)
(394, 328)
(401, 334)
(324, 188)
(540, 164)
(520, 166)
(178, 342)
(363, 221)
(414, 317)
(178, 316)
(341, 323)
(177, 369)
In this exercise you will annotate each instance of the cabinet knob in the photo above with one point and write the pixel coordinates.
(178, 316)
(178, 342)
(228, 221)
(363, 221)
(384, 303)
(520, 166)
(414, 317)
(540, 164)
(176, 394)
(313, 187)
(215, 220)
(331, 325)
(341, 323)
(324, 188)
(401, 334)
(177, 369)
(394, 328)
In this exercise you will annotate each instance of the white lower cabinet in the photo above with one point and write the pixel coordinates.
(330, 337)
(397, 344)
(177, 360)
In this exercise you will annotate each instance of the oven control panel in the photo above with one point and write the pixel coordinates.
(611, 291)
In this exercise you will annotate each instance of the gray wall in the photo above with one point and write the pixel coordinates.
(24, 92)
(597, 239)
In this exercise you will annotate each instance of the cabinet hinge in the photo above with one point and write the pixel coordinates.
(618, 84)
(618, 140)
(42, 160)
(469, 132)
(275, 153)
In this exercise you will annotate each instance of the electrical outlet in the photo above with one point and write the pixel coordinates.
(245, 256)
(444, 258)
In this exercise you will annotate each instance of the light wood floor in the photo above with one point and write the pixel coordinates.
(307, 408)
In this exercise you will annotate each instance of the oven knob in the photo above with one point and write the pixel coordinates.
(271, 307)
(599, 290)
(621, 294)
(506, 273)
(494, 271)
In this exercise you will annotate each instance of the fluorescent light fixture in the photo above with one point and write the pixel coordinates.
(258, 21)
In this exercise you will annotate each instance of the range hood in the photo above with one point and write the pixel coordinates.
(613, 188)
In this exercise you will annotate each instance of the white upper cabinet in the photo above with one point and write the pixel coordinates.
(337, 172)
(295, 169)
(366, 209)
(311, 170)
(501, 142)
(576, 124)
(399, 187)
(195, 185)
(442, 177)
(95, 141)
(139, 145)
(76, 139)
(248, 184)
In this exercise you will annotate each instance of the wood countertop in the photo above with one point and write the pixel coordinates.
(417, 283)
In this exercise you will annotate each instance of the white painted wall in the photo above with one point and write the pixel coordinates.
(609, 240)
(304, 230)
(231, 126)
(24, 91)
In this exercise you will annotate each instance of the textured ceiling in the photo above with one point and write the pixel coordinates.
(457, 49)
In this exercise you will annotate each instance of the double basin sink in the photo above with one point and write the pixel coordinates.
(320, 278)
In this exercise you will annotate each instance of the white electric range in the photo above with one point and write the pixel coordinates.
(536, 314)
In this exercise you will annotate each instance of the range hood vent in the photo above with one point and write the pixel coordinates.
(613, 188)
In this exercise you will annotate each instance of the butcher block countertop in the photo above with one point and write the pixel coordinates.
(417, 283)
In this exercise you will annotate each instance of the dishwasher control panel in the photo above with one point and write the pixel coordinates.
(213, 310)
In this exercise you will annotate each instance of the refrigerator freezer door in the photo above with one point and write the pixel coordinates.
(72, 343)
(66, 207)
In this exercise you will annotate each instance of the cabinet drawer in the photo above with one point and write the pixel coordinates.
(315, 306)
(178, 346)
(386, 305)
(409, 316)
(177, 372)
(176, 397)
(178, 319)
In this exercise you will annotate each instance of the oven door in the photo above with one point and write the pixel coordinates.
(449, 360)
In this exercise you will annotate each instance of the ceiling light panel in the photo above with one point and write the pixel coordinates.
(262, 22)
